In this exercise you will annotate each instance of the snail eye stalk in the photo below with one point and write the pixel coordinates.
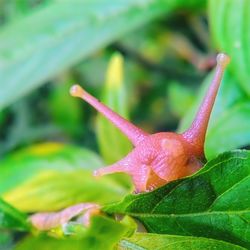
(134, 134)
(195, 135)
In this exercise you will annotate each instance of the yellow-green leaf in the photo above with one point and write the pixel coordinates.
(112, 143)
(59, 34)
(229, 22)
(142, 241)
(51, 176)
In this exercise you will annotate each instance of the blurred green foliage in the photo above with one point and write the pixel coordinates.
(148, 60)
(112, 143)
(103, 234)
(12, 218)
(31, 184)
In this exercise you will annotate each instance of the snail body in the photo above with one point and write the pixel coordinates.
(158, 159)
(161, 157)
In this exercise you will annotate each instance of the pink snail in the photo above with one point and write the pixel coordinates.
(165, 156)
(156, 159)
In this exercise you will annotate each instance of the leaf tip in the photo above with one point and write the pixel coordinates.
(114, 76)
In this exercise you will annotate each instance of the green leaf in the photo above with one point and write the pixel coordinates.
(104, 233)
(112, 143)
(180, 98)
(143, 241)
(6, 240)
(22, 165)
(213, 203)
(232, 129)
(69, 119)
(231, 33)
(52, 190)
(60, 34)
(10, 218)
(229, 120)
(50, 177)
(15, 9)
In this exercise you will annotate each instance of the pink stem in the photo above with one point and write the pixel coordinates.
(134, 134)
(195, 135)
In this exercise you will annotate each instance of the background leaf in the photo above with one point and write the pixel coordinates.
(112, 143)
(49, 177)
(10, 218)
(6, 240)
(61, 33)
(229, 22)
(69, 119)
(232, 128)
(104, 233)
(201, 205)
(180, 98)
(25, 163)
(52, 190)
